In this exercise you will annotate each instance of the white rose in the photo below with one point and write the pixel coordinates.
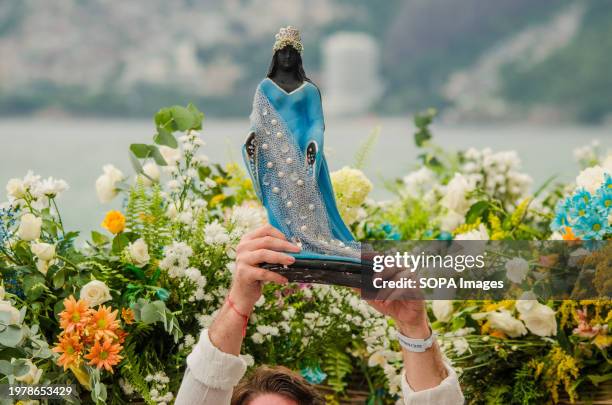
(526, 302)
(517, 269)
(15, 188)
(455, 198)
(44, 251)
(540, 320)
(139, 252)
(29, 228)
(13, 313)
(506, 323)
(42, 266)
(32, 376)
(442, 310)
(591, 178)
(106, 184)
(480, 233)
(171, 155)
(95, 293)
(153, 173)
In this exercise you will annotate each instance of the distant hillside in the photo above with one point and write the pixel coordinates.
(127, 58)
(576, 78)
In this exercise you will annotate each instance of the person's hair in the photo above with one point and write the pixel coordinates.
(299, 68)
(275, 380)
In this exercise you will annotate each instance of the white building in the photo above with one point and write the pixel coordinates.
(350, 73)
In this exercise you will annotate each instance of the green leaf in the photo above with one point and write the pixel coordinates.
(163, 120)
(120, 242)
(20, 368)
(164, 137)
(183, 118)
(136, 271)
(198, 116)
(34, 286)
(477, 210)
(157, 156)
(99, 239)
(58, 279)
(458, 323)
(140, 150)
(421, 137)
(598, 379)
(11, 336)
(6, 368)
(136, 163)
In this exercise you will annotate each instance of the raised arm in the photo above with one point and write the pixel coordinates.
(214, 366)
(427, 379)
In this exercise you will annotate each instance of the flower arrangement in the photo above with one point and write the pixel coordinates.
(122, 310)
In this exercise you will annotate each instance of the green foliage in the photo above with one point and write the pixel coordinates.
(337, 364)
(585, 60)
(146, 216)
(365, 149)
(526, 390)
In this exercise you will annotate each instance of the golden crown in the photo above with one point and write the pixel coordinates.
(288, 36)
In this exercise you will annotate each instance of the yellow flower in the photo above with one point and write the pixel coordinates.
(114, 222)
(217, 199)
(351, 188)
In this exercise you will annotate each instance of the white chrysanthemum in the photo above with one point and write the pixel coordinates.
(215, 234)
(456, 194)
(248, 218)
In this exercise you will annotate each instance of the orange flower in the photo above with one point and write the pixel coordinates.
(114, 222)
(75, 315)
(498, 334)
(568, 234)
(105, 354)
(104, 323)
(70, 347)
(128, 315)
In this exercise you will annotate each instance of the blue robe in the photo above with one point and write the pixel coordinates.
(296, 193)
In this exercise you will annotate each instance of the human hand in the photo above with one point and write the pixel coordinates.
(263, 245)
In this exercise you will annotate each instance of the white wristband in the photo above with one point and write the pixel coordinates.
(416, 345)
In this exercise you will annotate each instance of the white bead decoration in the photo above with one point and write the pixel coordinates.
(274, 122)
(300, 182)
(289, 204)
(303, 228)
(269, 165)
(275, 190)
(279, 135)
(264, 146)
(289, 161)
(311, 207)
(281, 174)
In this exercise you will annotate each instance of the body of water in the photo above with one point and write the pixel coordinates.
(76, 150)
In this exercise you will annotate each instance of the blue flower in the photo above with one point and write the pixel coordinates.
(560, 221)
(313, 375)
(592, 226)
(607, 184)
(603, 200)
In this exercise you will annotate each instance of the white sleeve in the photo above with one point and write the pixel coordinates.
(447, 393)
(211, 375)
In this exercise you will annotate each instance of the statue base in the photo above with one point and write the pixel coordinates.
(334, 272)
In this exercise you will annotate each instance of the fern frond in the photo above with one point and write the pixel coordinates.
(365, 149)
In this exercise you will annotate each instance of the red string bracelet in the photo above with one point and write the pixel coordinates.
(246, 317)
